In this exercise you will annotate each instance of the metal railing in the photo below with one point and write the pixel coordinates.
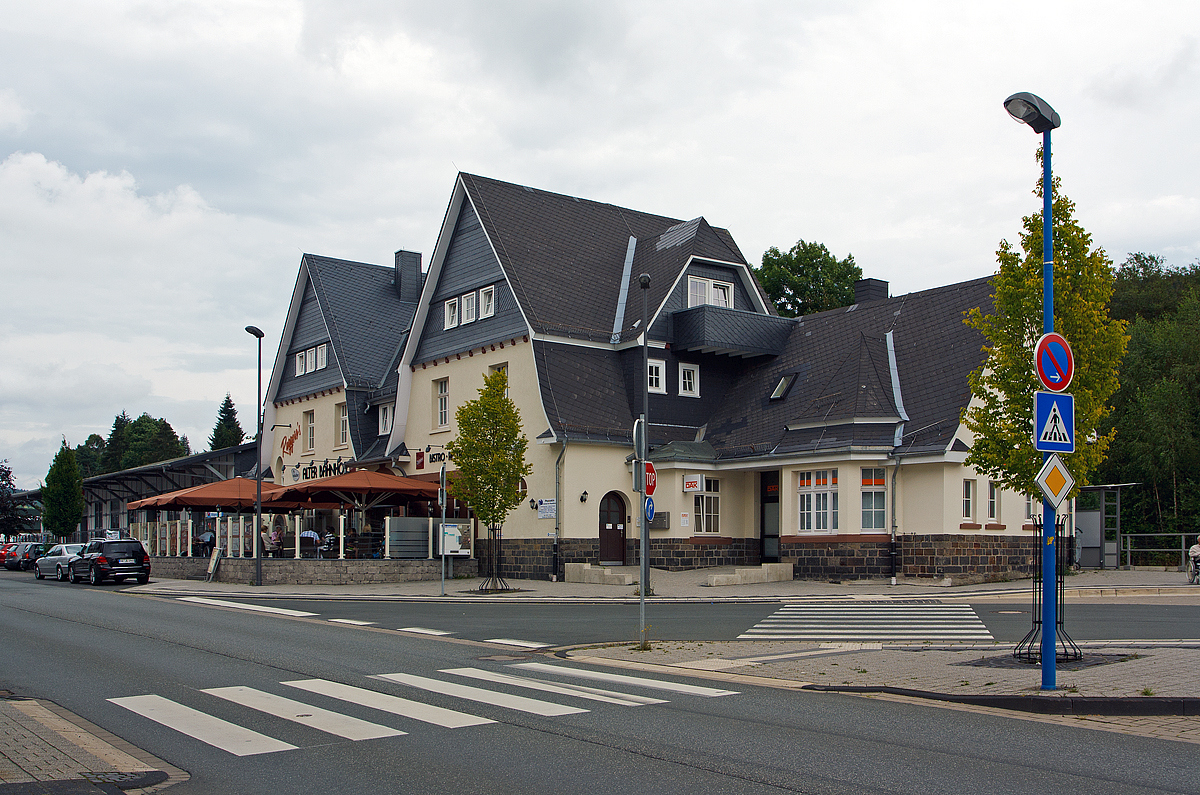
(1157, 555)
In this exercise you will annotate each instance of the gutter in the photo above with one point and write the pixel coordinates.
(896, 440)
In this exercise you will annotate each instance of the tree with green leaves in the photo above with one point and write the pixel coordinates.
(808, 278)
(62, 494)
(116, 444)
(88, 455)
(150, 440)
(228, 431)
(1001, 414)
(489, 453)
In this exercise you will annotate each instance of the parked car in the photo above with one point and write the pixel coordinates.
(5, 551)
(117, 558)
(27, 553)
(21, 554)
(56, 560)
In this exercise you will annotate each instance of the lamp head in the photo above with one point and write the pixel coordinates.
(255, 330)
(1032, 110)
(644, 281)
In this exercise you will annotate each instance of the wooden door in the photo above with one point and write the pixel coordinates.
(612, 530)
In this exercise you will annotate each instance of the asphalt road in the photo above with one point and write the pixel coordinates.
(85, 647)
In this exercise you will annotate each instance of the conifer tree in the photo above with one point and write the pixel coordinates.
(62, 495)
(228, 431)
(116, 444)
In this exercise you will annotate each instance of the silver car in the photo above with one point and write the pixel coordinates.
(56, 560)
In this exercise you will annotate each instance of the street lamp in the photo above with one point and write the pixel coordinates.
(640, 461)
(1036, 112)
(258, 333)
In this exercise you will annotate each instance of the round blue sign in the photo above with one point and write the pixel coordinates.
(649, 509)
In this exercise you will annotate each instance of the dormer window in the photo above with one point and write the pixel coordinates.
(451, 314)
(468, 308)
(709, 291)
(311, 360)
(487, 301)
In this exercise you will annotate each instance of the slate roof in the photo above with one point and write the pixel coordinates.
(542, 238)
(367, 321)
(843, 393)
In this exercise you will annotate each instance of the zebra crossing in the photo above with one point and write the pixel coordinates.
(911, 621)
(198, 721)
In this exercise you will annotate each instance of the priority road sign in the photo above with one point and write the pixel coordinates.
(1053, 422)
(1055, 362)
(1054, 480)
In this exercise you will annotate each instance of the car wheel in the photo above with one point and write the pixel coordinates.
(59, 574)
(74, 576)
(143, 579)
(94, 576)
(37, 572)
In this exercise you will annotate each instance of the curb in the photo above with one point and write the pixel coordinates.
(1043, 705)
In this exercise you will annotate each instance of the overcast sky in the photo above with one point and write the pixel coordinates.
(163, 163)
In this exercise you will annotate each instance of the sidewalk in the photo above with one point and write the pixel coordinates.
(45, 749)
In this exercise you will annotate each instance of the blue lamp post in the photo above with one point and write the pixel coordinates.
(1036, 112)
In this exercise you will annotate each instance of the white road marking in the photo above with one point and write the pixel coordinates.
(579, 691)
(521, 703)
(351, 621)
(438, 716)
(282, 611)
(871, 622)
(305, 714)
(637, 681)
(423, 631)
(205, 728)
(525, 644)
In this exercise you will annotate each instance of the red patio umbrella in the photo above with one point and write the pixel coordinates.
(231, 493)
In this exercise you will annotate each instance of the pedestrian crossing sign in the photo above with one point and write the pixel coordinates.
(1053, 422)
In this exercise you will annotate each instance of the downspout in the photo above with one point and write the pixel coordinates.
(896, 439)
(558, 508)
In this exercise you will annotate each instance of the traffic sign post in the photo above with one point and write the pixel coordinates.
(1053, 422)
(1054, 361)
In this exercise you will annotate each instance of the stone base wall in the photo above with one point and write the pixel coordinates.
(969, 558)
(838, 560)
(684, 554)
(533, 558)
(306, 571)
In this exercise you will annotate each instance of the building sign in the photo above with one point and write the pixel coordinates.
(313, 470)
(693, 483)
(420, 459)
(547, 509)
(288, 445)
(685, 519)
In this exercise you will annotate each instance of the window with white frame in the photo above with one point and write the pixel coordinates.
(441, 404)
(310, 431)
(487, 301)
(386, 412)
(656, 376)
(993, 511)
(468, 308)
(343, 413)
(707, 507)
(968, 504)
(709, 291)
(689, 379)
(818, 500)
(451, 314)
(874, 499)
(312, 359)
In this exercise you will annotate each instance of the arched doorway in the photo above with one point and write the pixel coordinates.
(612, 529)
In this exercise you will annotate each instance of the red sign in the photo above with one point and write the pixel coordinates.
(1055, 362)
(651, 479)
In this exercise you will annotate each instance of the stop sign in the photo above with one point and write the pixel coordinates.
(651, 479)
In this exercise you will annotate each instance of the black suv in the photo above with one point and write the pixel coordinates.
(117, 558)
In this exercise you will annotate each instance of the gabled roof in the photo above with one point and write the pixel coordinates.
(540, 238)
(843, 395)
(367, 321)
